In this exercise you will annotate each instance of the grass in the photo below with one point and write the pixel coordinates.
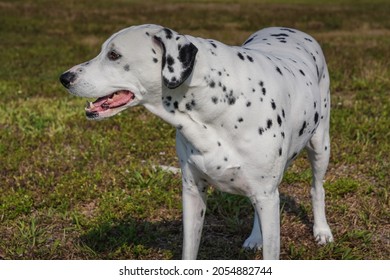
(74, 189)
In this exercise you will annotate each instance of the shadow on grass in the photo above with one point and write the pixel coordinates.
(291, 207)
(137, 239)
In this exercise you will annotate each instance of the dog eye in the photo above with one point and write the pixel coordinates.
(113, 55)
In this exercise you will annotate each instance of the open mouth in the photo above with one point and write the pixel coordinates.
(104, 104)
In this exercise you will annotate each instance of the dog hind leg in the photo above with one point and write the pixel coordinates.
(319, 162)
(318, 150)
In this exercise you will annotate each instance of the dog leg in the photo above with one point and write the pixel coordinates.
(267, 207)
(255, 240)
(194, 209)
(318, 152)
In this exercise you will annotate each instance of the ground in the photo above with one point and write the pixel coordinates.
(76, 189)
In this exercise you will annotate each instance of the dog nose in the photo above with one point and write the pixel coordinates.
(67, 78)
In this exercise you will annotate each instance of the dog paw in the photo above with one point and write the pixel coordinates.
(253, 243)
(323, 235)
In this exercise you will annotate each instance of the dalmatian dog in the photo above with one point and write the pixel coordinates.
(242, 114)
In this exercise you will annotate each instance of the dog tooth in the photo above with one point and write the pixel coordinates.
(105, 106)
(89, 105)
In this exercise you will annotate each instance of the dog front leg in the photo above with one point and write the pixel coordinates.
(194, 209)
(267, 207)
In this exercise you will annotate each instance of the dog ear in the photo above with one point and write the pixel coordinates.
(178, 57)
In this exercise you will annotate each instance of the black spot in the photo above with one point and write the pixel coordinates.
(219, 144)
(282, 133)
(280, 151)
(219, 73)
(248, 41)
(284, 116)
(240, 119)
(225, 159)
(287, 29)
(315, 105)
(168, 33)
(218, 167)
(190, 105)
(316, 117)
(279, 71)
(273, 105)
(240, 56)
(308, 39)
(302, 128)
(147, 33)
(326, 148)
(261, 83)
(153, 51)
(176, 105)
(248, 104)
(263, 91)
(231, 100)
(261, 131)
(279, 120)
(231, 180)
(280, 35)
(126, 67)
(155, 60)
(170, 60)
(249, 58)
(212, 84)
(303, 73)
(169, 98)
(201, 213)
(214, 99)
(269, 123)
(293, 156)
(213, 44)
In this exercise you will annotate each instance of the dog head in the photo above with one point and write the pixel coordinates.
(132, 68)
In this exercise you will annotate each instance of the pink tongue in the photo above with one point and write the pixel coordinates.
(115, 100)
(118, 99)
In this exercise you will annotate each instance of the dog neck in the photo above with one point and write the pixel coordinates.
(180, 108)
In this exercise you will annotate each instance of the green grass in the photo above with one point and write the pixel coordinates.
(75, 189)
